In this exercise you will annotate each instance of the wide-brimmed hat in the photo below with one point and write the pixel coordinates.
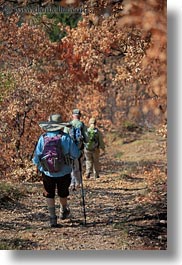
(54, 123)
(76, 112)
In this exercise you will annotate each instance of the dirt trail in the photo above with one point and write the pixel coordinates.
(123, 211)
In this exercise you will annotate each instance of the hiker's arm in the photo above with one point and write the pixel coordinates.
(38, 152)
(69, 147)
(74, 150)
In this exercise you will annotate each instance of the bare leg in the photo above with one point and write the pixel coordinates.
(52, 211)
(64, 209)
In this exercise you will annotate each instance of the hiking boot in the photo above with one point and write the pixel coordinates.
(64, 213)
(53, 221)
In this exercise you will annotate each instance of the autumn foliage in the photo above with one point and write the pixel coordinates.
(112, 65)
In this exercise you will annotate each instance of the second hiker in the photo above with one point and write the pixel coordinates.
(78, 134)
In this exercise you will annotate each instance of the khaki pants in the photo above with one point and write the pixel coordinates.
(92, 162)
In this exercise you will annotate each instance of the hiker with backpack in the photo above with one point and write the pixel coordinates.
(78, 134)
(54, 153)
(92, 149)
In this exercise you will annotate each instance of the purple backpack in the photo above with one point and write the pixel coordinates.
(52, 158)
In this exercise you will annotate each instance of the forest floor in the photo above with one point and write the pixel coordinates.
(126, 208)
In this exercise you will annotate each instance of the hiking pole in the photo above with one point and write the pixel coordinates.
(82, 191)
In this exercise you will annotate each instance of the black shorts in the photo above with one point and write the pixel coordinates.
(60, 183)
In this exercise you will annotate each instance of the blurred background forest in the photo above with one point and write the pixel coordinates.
(107, 58)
